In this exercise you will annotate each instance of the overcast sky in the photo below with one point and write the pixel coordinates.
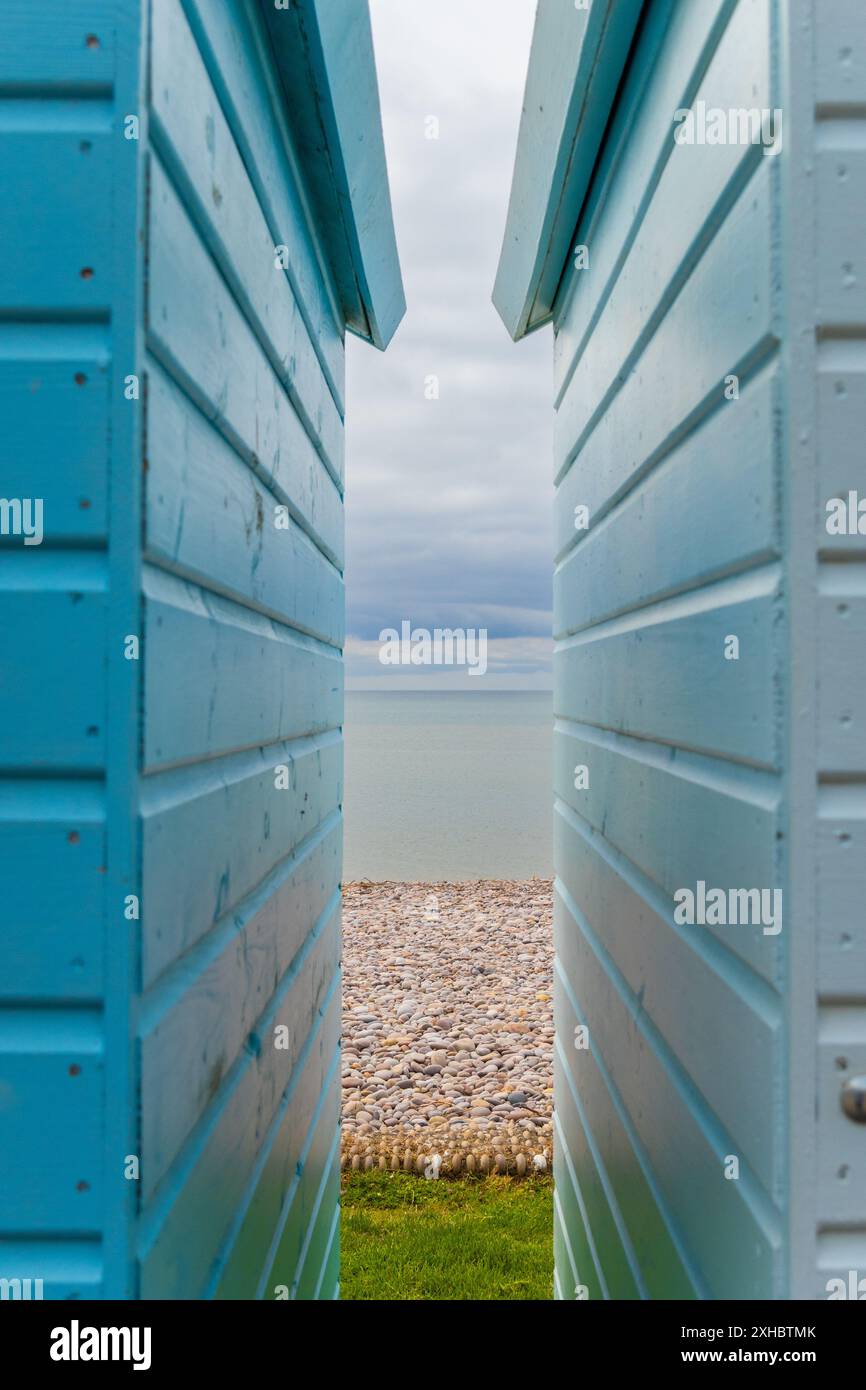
(449, 500)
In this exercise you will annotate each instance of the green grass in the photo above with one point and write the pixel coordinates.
(473, 1239)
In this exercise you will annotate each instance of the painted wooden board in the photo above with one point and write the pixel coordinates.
(199, 334)
(700, 700)
(329, 1278)
(597, 1213)
(54, 853)
(840, 58)
(607, 1156)
(52, 616)
(573, 1251)
(211, 833)
(841, 1153)
(264, 1251)
(720, 1023)
(234, 536)
(841, 693)
(708, 510)
(733, 1240)
(69, 1269)
(677, 818)
(614, 459)
(187, 1232)
(840, 174)
(841, 423)
(841, 836)
(51, 1126)
(217, 190)
(76, 48)
(326, 1215)
(313, 1206)
(219, 995)
(291, 573)
(721, 322)
(54, 395)
(695, 192)
(41, 270)
(230, 41)
(239, 680)
(830, 627)
(564, 1273)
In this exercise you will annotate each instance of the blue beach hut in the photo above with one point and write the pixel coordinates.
(687, 212)
(196, 211)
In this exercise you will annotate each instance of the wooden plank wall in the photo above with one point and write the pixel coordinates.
(243, 622)
(829, 208)
(200, 780)
(69, 276)
(685, 750)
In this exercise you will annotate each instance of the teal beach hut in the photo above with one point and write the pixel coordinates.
(687, 213)
(196, 211)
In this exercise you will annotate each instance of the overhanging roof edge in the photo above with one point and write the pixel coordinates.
(323, 51)
(575, 66)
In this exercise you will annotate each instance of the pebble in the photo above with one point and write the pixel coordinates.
(460, 1046)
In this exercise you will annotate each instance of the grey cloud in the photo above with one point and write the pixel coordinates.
(449, 500)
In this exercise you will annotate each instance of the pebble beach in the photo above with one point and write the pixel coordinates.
(448, 1026)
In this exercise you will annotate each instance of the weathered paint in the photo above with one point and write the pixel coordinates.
(154, 780)
(706, 519)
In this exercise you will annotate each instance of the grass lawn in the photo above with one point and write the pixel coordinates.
(470, 1239)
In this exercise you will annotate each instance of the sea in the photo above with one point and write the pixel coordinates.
(448, 786)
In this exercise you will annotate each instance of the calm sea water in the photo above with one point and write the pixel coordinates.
(448, 786)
